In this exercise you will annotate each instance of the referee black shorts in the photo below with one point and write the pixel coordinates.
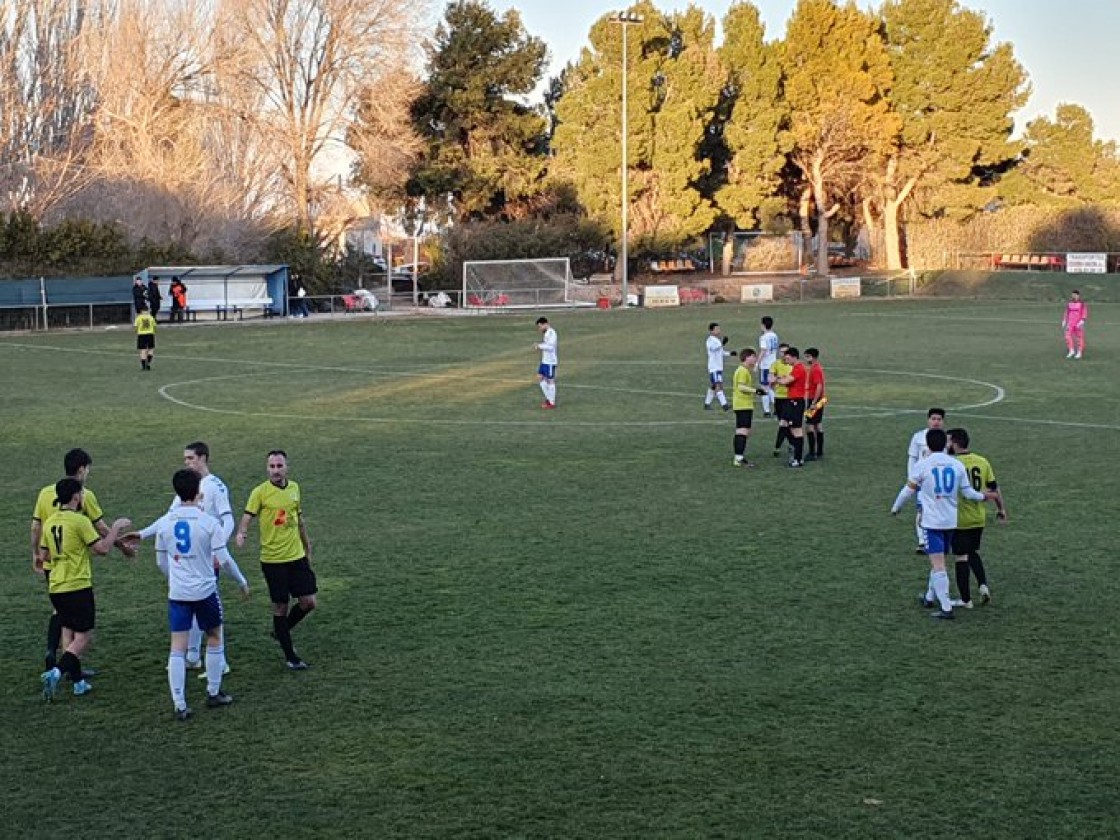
(794, 413)
(294, 579)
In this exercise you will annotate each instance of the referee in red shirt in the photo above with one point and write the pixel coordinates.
(815, 393)
(796, 383)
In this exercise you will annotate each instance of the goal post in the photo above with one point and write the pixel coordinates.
(513, 284)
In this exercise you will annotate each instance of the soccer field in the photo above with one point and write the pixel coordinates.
(582, 623)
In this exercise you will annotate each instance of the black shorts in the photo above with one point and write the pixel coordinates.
(289, 580)
(816, 419)
(966, 541)
(146, 342)
(743, 418)
(780, 407)
(76, 610)
(794, 413)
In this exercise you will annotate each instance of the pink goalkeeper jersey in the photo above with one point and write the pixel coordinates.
(1076, 312)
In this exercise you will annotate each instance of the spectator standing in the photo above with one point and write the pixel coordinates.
(139, 295)
(155, 299)
(178, 300)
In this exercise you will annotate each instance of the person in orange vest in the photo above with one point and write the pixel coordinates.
(178, 299)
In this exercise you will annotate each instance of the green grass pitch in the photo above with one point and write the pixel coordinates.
(582, 623)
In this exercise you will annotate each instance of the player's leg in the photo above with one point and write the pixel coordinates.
(1080, 342)
(768, 396)
(550, 386)
(180, 614)
(976, 564)
(923, 540)
(542, 384)
(717, 386)
(276, 576)
(796, 422)
(783, 425)
(208, 612)
(743, 422)
(939, 544)
(194, 645)
(1069, 343)
(304, 586)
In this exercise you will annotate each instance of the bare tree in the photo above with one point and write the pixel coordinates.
(46, 101)
(310, 61)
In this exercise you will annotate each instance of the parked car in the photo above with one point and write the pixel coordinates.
(402, 276)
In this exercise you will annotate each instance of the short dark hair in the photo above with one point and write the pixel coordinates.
(279, 452)
(814, 352)
(141, 308)
(793, 351)
(186, 484)
(747, 351)
(935, 440)
(784, 344)
(767, 321)
(1075, 292)
(712, 325)
(199, 448)
(74, 460)
(66, 489)
(959, 437)
(542, 320)
(938, 412)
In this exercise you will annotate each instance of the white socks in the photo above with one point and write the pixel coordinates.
(194, 643)
(216, 663)
(177, 679)
(550, 391)
(722, 397)
(766, 403)
(939, 581)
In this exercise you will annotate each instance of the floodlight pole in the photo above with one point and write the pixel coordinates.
(625, 20)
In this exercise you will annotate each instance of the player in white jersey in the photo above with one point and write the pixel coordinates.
(546, 372)
(716, 354)
(935, 419)
(187, 542)
(767, 354)
(939, 479)
(215, 501)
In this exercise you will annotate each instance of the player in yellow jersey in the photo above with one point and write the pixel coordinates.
(781, 396)
(285, 551)
(68, 538)
(743, 392)
(971, 518)
(76, 464)
(146, 338)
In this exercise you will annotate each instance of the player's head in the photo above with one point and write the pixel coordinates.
(958, 440)
(1075, 294)
(76, 464)
(713, 328)
(196, 456)
(277, 467)
(68, 491)
(186, 483)
(767, 323)
(791, 355)
(935, 418)
(542, 323)
(138, 281)
(747, 357)
(811, 355)
(782, 348)
(936, 439)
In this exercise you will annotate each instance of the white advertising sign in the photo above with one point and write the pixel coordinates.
(1086, 263)
(756, 291)
(845, 287)
(659, 296)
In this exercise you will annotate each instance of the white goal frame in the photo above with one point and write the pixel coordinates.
(542, 283)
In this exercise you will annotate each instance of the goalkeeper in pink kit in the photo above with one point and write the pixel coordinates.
(1073, 322)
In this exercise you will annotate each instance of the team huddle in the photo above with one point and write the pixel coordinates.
(792, 390)
(191, 539)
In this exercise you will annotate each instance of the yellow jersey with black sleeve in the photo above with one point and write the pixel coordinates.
(67, 535)
(279, 510)
(742, 397)
(780, 368)
(145, 324)
(972, 514)
(46, 506)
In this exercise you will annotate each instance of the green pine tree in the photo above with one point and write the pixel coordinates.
(483, 144)
(674, 81)
(953, 94)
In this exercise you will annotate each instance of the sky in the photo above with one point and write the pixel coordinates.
(1068, 48)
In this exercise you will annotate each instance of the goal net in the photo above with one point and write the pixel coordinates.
(523, 284)
(757, 253)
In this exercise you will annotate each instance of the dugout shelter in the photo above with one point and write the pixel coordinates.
(224, 292)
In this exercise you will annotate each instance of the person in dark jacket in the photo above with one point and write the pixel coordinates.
(154, 297)
(139, 295)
